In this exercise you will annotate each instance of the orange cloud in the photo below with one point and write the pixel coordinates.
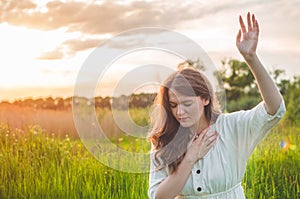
(70, 48)
(55, 54)
(109, 17)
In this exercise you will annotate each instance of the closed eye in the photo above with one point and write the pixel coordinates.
(187, 105)
(173, 105)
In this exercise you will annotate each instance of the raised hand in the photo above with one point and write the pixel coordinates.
(246, 42)
(247, 39)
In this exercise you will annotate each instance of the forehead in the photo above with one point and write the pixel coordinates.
(178, 97)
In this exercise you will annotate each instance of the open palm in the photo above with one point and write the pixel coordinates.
(247, 39)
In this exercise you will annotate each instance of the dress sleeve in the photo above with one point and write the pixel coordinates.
(248, 128)
(155, 177)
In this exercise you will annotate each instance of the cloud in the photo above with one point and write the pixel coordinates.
(51, 55)
(112, 17)
(15, 5)
(69, 48)
(108, 17)
(80, 45)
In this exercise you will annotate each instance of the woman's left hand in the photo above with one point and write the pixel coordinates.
(247, 39)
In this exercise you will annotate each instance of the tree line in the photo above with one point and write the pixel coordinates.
(239, 85)
(141, 100)
(242, 92)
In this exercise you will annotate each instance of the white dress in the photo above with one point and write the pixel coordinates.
(219, 174)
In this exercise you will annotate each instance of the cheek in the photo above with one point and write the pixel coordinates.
(196, 111)
(173, 111)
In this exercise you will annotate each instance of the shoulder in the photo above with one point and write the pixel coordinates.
(257, 116)
(243, 114)
(229, 117)
(234, 121)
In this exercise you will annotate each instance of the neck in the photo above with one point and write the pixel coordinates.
(203, 124)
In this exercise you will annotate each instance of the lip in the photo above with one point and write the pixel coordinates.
(182, 119)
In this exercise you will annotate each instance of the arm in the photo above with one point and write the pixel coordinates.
(172, 185)
(246, 42)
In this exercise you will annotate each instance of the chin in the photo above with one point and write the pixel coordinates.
(186, 125)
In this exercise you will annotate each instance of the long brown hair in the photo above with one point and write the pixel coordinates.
(169, 139)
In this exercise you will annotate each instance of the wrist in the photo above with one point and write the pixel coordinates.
(250, 58)
(189, 160)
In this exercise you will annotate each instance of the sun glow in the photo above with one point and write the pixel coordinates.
(20, 48)
(33, 57)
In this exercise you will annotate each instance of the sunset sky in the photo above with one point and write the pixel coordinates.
(44, 43)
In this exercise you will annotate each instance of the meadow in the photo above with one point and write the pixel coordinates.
(36, 163)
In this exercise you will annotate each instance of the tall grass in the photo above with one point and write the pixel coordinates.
(61, 122)
(271, 171)
(34, 164)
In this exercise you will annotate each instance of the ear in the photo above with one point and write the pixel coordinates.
(205, 101)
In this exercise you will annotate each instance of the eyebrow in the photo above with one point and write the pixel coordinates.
(185, 101)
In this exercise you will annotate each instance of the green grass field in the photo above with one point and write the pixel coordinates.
(34, 164)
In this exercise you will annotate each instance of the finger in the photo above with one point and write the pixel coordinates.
(238, 37)
(190, 143)
(211, 137)
(257, 27)
(207, 139)
(203, 133)
(196, 135)
(200, 137)
(243, 28)
(211, 144)
(253, 21)
(249, 22)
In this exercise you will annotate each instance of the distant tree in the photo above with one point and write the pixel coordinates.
(290, 90)
(49, 103)
(121, 102)
(102, 102)
(192, 63)
(28, 102)
(68, 103)
(141, 100)
(281, 80)
(39, 103)
(292, 100)
(239, 83)
(59, 103)
(242, 92)
(5, 102)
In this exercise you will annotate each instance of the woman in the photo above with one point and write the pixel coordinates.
(199, 152)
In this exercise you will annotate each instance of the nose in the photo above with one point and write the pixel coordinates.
(180, 110)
